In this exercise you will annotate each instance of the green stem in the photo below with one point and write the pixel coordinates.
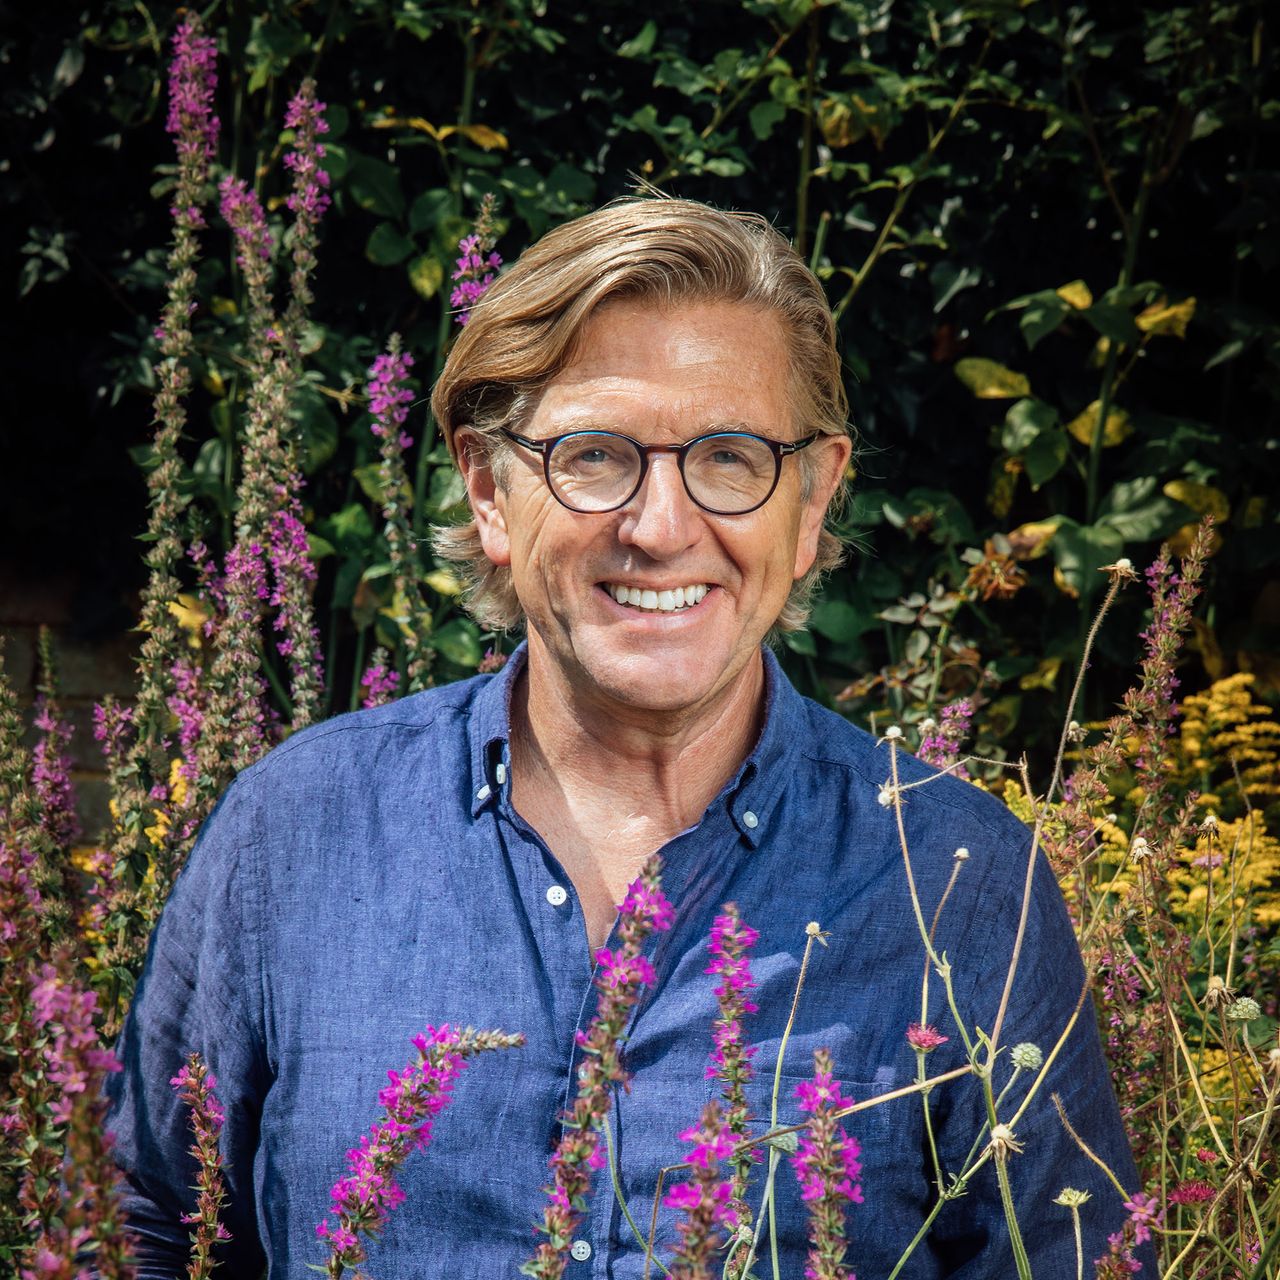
(1011, 1221)
(621, 1199)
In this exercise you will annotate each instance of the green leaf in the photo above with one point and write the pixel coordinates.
(763, 117)
(369, 478)
(375, 186)
(1045, 455)
(1081, 550)
(838, 620)
(801, 642)
(948, 279)
(1026, 420)
(459, 641)
(428, 208)
(640, 44)
(1113, 322)
(387, 245)
(1045, 311)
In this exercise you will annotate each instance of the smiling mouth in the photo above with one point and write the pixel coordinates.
(648, 601)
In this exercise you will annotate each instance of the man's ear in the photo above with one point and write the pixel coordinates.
(488, 500)
(829, 458)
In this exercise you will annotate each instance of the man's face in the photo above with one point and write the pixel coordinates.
(661, 377)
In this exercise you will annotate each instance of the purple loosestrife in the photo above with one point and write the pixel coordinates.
(308, 201)
(940, 743)
(362, 1200)
(729, 946)
(620, 977)
(90, 1217)
(1118, 1262)
(477, 263)
(29, 1173)
(379, 681)
(389, 401)
(51, 774)
(192, 81)
(195, 1084)
(293, 578)
(827, 1166)
(705, 1199)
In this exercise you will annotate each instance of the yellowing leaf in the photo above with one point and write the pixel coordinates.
(410, 122)
(444, 582)
(1060, 581)
(191, 616)
(426, 274)
(483, 136)
(1203, 499)
(1254, 510)
(1045, 675)
(1076, 294)
(213, 384)
(1030, 541)
(223, 308)
(991, 381)
(1116, 429)
(1160, 318)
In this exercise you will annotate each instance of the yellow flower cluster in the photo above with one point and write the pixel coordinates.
(1223, 725)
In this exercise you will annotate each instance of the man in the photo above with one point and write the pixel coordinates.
(648, 415)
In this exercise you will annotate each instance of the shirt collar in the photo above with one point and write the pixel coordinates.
(750, 796)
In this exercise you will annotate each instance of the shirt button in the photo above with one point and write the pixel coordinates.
(500, 773)
(580, 1251)
(558, 896)
(749, 819)
(483, 793)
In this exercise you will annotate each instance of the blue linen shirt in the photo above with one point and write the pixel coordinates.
(370, 876)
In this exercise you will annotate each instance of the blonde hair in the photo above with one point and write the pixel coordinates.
(526, 329)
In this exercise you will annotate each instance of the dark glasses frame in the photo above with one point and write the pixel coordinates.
(779, 448)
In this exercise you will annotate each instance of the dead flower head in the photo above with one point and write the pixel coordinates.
(1003, 1144)
(1218, 995)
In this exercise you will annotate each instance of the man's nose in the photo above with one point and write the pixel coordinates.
(662, 519)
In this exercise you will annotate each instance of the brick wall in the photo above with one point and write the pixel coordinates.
(88, 669)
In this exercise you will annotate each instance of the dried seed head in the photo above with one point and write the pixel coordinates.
(961, 854)
(1074, 732)
(1003, 1143)
(1139, 849)
(892, 733)
(885, 796)
(1210, 824)
(927, 725)
(1218, 993)
(1121, 571)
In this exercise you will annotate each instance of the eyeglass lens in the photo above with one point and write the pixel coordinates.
(597, 471)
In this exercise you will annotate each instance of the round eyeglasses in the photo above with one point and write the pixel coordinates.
(727, 473)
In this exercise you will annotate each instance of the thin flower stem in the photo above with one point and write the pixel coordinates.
(1075, 1222)
(1088, 1151)
(621, 1199)
(813, 933)
(1011, 1221)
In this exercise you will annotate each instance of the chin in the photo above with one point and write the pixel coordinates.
(660, 678)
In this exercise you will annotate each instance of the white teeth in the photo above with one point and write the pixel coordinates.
(665, 601)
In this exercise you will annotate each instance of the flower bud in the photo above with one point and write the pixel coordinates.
(1070, 1198)
(1027, 1056)
(1245, 1009)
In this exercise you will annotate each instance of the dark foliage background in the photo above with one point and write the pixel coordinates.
(947, 168)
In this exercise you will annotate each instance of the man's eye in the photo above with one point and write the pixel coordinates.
(727, 458)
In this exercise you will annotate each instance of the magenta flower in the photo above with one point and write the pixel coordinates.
(730, 942)
(242, 210)
(940, 743)
(51, 775)
(620, 978)
(1145, 1213)
(389, 397)
(1193, 1192)
(305, 116)
(705, 1200)
(364, 1198)
(195, 1084)
(379, 681)
(192, 81)
(477, 264)
(924, 1038)
(827, 1166)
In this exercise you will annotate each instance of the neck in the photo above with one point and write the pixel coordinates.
(660, 768)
